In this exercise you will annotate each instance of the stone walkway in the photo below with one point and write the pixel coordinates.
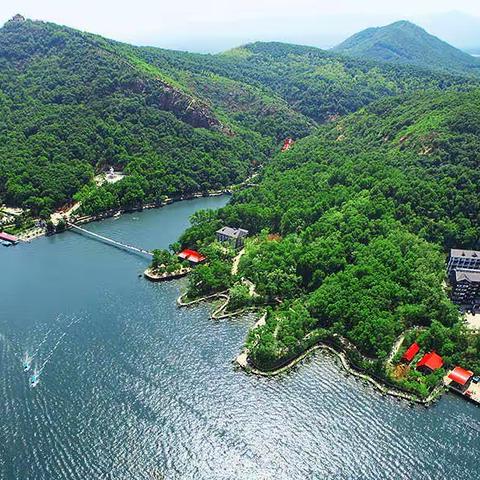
(236, 261)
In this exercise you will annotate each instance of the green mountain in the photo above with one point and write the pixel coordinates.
(321, 85)
(73, 103)
(406, 43)
(176, 123)
(361, 213)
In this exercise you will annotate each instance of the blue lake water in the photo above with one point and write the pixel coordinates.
(134, 388)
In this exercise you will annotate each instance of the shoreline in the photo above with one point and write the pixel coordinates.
(150, 275)
(120, 211)
(243, 362)
(217, 314)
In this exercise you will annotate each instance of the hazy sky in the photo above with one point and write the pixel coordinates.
(215, 24)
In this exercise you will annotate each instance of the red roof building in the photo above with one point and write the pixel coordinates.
(460, 376)
(192, 256)
(411, 351)
(429, 362)
(8, 238)
(287, 144)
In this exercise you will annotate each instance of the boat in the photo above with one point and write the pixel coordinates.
(34, 379)
(27, 362)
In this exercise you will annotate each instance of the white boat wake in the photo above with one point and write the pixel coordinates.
(35, 377)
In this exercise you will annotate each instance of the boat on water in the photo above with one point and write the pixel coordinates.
(34, 379)
(27, 362)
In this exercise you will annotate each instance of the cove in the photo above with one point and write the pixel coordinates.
(136, 386)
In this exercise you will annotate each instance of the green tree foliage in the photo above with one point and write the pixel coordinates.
(164, 261)
(364, 211)
(405, 43)
(214, 275)
(319, 84)
(73, 104)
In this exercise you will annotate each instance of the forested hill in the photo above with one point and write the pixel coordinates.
(319, 84)
(352, 227)
(74, 103)
(406, 43)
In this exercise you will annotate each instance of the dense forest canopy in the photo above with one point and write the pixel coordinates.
(348, 228)
(362, 213)
(319, 84)
(73, 104)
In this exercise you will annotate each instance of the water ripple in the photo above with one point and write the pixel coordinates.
(138, 386)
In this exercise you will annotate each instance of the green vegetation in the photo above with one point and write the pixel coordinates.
(406, 43)
(164, 261)
(364, 211)
(349, 226)
(73, 104)
(214, 275)
(320, 85)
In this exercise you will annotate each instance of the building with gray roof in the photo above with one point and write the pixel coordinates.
(235, 236)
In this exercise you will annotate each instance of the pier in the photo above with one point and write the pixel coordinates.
(110, 241)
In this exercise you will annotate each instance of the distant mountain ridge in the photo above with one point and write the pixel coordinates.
(406, 43)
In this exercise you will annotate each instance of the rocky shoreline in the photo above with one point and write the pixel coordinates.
(153, 276)
(243, 361)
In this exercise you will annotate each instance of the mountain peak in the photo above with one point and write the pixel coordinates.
(403, 23)
(407, 43)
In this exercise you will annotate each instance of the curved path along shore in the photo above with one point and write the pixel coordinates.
(218, 313)
(242, 360)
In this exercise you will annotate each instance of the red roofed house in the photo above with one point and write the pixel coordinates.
(429, 362)
(192, 256)
(460, 378)
(287, 144)
(410, 353)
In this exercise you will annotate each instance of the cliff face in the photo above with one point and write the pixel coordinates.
(185, 107)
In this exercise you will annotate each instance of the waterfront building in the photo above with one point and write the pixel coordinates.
(192, 256)
(463, 260)
(410, 353)
(235, 236)
(430, 362)
(465, 287)
(460, 379)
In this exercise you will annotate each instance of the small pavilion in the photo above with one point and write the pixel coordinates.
(430, 362)
(460, 378)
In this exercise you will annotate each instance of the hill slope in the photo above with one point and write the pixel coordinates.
(73, 103)
(406, 43)
(362, 211)
(319, 84)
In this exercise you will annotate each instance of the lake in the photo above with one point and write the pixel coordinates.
(133, 387)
